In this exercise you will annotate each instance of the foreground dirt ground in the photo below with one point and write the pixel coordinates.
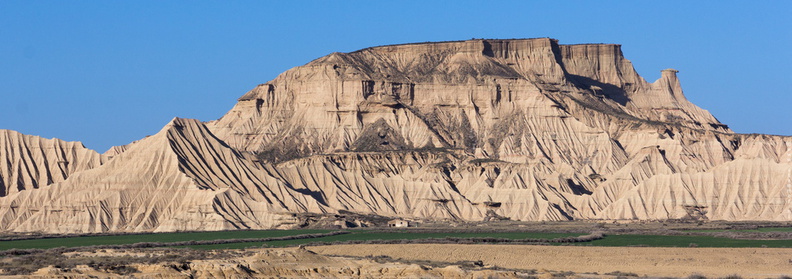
(412, 261)
(643, 261)
(258, 263)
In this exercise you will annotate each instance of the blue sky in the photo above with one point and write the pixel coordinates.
(111, 72)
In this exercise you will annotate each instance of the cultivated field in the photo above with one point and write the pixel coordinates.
(652, 234)
(642, 261)
(89, 240)
(576, 249)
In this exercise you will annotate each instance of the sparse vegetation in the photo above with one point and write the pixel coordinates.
(563, 274)
(118, 264)
(485, 160)
(622, 274)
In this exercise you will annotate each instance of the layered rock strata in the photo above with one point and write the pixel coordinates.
(30, 162)
(543, 130)
(182, 178)
(467, 131)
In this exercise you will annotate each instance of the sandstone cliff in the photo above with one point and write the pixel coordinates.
(544, 131)
(471, 130)
(182, 178)
(448, 95)
(30, 162)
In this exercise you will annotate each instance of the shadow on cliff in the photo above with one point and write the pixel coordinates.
(317, 195)
(577, 189)
(608, 90)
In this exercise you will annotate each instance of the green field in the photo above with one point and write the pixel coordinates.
(768, 229)
(684, 241)
(367, 235)
(363, 235)
(152, 237)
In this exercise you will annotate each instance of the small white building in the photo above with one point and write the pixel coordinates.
(398, 223)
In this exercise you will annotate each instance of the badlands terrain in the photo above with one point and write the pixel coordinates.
(524, 129)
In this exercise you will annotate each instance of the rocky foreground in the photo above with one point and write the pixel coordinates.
(473, 130)
(411, 261)
(594, 262)
(256, 263)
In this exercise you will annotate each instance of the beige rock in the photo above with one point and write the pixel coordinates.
(523, 129)
(570, 131)
(115, 150)
(182, 178)
(30, 162)
(283, 263)
(454, 94)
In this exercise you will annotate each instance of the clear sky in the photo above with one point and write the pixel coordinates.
(110, 72)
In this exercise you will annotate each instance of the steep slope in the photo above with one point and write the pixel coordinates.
(444, 95)
(30, 162)
(464, 131)
(182, 178)
(542, 130)
(753, 186)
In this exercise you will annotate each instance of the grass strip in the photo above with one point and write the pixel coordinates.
(198, 237)
(379, 237)
(766, 229)
(685, 241)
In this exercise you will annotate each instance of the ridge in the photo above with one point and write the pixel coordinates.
(32, 162)
(181, 178)
(476, 40)
(475, 130)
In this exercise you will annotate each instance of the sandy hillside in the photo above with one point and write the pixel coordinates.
(676, 262)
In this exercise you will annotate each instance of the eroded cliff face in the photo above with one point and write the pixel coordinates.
(447, 95)
(30, 162)
(544, 131)
(468, 131)
(182, 178)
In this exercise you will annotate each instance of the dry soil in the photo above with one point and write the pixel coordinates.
(676, 262)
